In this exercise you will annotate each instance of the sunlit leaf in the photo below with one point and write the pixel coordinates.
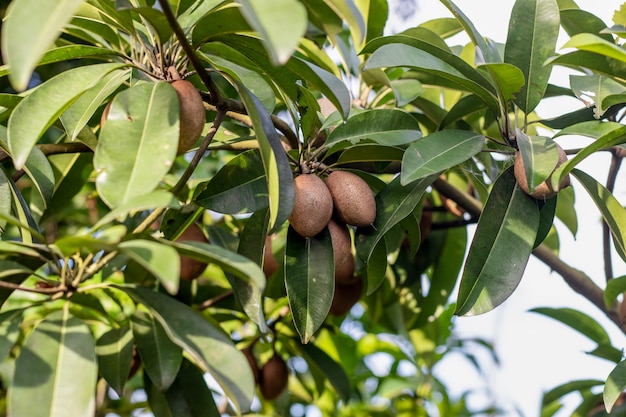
(614, 288)
(115, 353)
(615, 385)
(30, 28)
(593, 89)
(158, 198)
(309, 279)
(439, 151)
(10, 322)
(593, 43)
(57, 367)
(160, 260)
(500, 249)
(138, 143)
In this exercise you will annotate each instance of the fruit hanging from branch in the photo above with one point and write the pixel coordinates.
(544, 190)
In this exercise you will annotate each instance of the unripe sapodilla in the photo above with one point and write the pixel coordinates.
(342, 252)
(345, 297)
(191, 109)
(352, 198)
(274, 377)
(313, 205)
(544, 190)
(191, 269)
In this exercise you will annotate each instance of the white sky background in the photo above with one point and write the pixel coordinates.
(537, 353)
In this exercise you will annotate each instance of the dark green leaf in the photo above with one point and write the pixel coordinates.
(115, 354)
(578, 321)
(332, 370)
(10, 322)
(189, 395)
(560, 391)
(309, 279)
(57, 367)
(502, 244)
(439, 151)
(161, 357)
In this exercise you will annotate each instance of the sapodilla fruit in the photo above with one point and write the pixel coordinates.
(342, 252)
(192, 114)
(313, 205)
(191, 269)
(352, 198)
(274, 377)
(345, 297)
(544, 190)
(254, 367)
(270, 264)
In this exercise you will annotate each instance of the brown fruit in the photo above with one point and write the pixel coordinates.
(346, 296)
(270, 264)
(247, 352)
(544, 190)
(274, 377)
(352, 198)
(191, 269)
(342, 252)
(192, 114)
(313, 205)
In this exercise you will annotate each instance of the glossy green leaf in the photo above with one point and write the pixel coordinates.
(614, 288)
(599, 63)
(439, 151)
(33, 115)
(615, 385)
(489, 52)
(240, 186)
(24, 220)
(158, 198)
(539, 154)
(331, 370)
(547, 211)
(370, 153)
(57, 367)
(5, 200)
(160, 260)
(612, 210)
(560, 391)
(72, 172)
(189, 395)
(394, 203)
(388, 127)
(10, 322)
(161, 357)
(500, 249)
(280, 40)
(400, 55)
(578, 321)
(593, 43)
(75, 118)
(205, 343)
(351, 15)
(309, 279)
(565, 210)
(230, 262)
(30, 28)
(220, 22)
(533, 32)
(40, 172)
(191, 15)
(509, 78)
(138, 143)
(376, 267)
(114, 350)
(252, 245)
(594, 89)
(277, 170)
(576, 21)
(375, 14)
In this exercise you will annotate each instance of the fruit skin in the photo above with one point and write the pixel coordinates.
(345, 297)
(544, 190)
(313, 205)
(192, 114)
(247, 352)
(191, 269)
(270, 264)
(274, 377)
(352, 198)
(342, 252)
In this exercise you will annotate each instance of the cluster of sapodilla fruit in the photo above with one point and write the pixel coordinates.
(344, 199)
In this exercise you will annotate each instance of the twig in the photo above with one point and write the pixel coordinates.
(212, 301)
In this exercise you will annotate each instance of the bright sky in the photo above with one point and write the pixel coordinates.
(537, 353)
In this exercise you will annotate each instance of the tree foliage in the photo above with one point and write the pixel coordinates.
(95, 318)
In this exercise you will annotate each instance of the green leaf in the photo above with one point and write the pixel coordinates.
(593, 43)
(5, 200)
(56, 371)
(138, 143)
(612, 210)
(400, 55)
(73, 170)
(509, 79)
(115, 354)
(161, 357)
(332, 371)
(31, 27)
(533, 32)
(540, 157)
(370, 153)
(439, 151)
(205, 343)
(10, 322)
(560, 391)
(158, 198)
(240, 186)
(614, 288)
(189, 395)
(36, 113)
(159, 259)
(280, 41)
(615, 385)
(388, 127)
(309, 279)
(594, 89)
(576, 21)
(577, 320)
(393, 204)
(596, 62)
(502, 244)
(40, 172)
(277, 169)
